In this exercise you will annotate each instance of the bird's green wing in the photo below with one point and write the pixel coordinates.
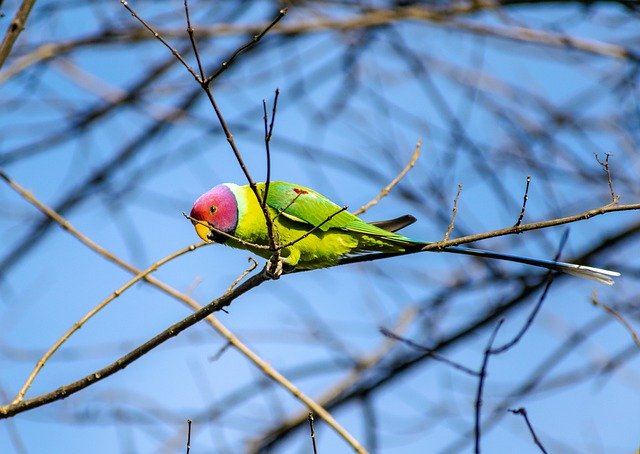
(305, 205)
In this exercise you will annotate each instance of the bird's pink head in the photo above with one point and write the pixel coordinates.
(217, 208)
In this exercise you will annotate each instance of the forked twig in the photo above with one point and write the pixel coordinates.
(159, 37)
(615, 198)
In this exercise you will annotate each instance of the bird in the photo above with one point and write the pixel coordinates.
(313, 232)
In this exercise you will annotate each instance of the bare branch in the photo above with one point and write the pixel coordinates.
(313, 229)
(615, 198)
(15, 28)
(454, 212)
(387, 189)
(255, 40)
(312, 434)
(538, 305)
(252, 266)
(192, 39)
(611, 311)
(159, 37)
(522, 411)
(525, 198)
(431, 352)
(481, 380)
(188, 436)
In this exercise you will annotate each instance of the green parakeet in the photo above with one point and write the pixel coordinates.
(230, 214)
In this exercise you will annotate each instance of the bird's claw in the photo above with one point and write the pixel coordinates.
(274, 268)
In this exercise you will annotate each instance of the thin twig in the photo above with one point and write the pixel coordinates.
(312, 434)
(536, 440)
(274, 242)
(252, 266)
(454, 212)
(387, 189)
(315, 227)
(432, 353)
(247, 244)
(268, 132)
(255, 40)
(538, 305)
(483, 373)
(193, 41)
(532, 226)
(188, 436)
(15, 28)
(615, 198)
(611, 311)
(524, 202)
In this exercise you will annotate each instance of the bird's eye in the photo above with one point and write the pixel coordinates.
(212, 209)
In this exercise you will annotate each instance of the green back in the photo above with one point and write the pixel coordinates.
(302, 204)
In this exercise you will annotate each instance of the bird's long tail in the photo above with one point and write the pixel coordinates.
(586, 272)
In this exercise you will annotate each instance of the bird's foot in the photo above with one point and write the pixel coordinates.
(274, 267)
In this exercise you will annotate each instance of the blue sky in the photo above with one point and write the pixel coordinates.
(345, 126)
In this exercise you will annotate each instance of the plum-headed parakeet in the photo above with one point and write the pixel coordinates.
(231, 214)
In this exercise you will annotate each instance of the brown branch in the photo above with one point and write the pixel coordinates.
(192, 39)
(15, 28)
(255, 40)
(546, 38)
(615, 198)
(252, 266)
(611, 311)
(516, 229)
(454, 212)
(387, 189)
(175, 329)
